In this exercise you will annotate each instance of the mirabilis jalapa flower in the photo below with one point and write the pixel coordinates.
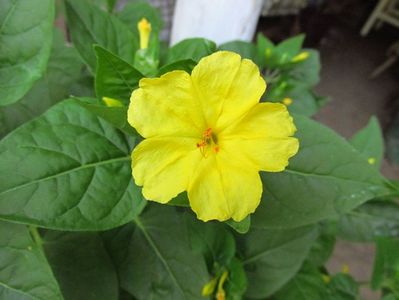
(207, 134)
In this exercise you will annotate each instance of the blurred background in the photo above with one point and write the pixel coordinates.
(359, 45)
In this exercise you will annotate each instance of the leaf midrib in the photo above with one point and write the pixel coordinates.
(81, 167)
(158, 253)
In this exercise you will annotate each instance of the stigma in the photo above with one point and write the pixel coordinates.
(208, 141)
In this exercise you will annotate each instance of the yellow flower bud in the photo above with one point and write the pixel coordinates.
(326, 278)
(371, 160)
(112, 102)
(287, 101)
(209, 288)
(300, 57)
(345, 269)
(144, 28)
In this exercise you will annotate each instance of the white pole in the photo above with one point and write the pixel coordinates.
(218, 20)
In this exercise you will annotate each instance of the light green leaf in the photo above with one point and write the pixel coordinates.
(264, 48)
(69, 170)
(90, 25)
(115, 78)
(62, 71)
(25, 43)
(369, 221)
(157, 261)
(81, 265)
(370, 142)
(194, 48)
(242, 226)
(272, 257)
(326, 178)
(24, 271)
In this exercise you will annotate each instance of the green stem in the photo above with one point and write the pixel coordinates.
(36, 236)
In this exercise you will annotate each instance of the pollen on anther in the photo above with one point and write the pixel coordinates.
(216, 149)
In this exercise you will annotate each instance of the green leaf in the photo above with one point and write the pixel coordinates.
(245, 49)
(242, 226)
(185, 65)
(24, 271)
(307, 72)
(369, 221)
(59, 171)
(90, 25)
(157, 261)
(62, 71)
(236, 283)
(213, 241)
(25, 44)
(115, 78)
(132, 13)
(304, 102)
(264, 49)
(386, 265)
(194, 48)
(81, 266)
(323, 247)
(327, 177)
(343, 287)
(370, 142)
(289, 48)
(307, 284)
(272, 257)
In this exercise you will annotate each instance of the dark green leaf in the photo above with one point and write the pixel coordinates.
(185, 65)
(115, 78)
(132, 13)
(24, 271)
(245, 49)
(59, 171)
(236, 283)
(272, 257)
(306, 285)
(62, 71)
(159, 262)
(371, 220)
(323, 247)
(25, 44)
(81, 266)
(343, 287)
(194, 48)
(213, 241)
(327, 177)
(90, 25)
(370, 143)
(386, 265)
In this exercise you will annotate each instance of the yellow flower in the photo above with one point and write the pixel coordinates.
(207, 134)
(144, 28)
(300, 57)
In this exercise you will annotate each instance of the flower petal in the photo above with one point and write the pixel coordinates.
(263, 137)
(224, 187)
(163, 166)
(228, 87)
(166, 106)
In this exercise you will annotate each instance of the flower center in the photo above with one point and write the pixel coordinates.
(209, 141)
